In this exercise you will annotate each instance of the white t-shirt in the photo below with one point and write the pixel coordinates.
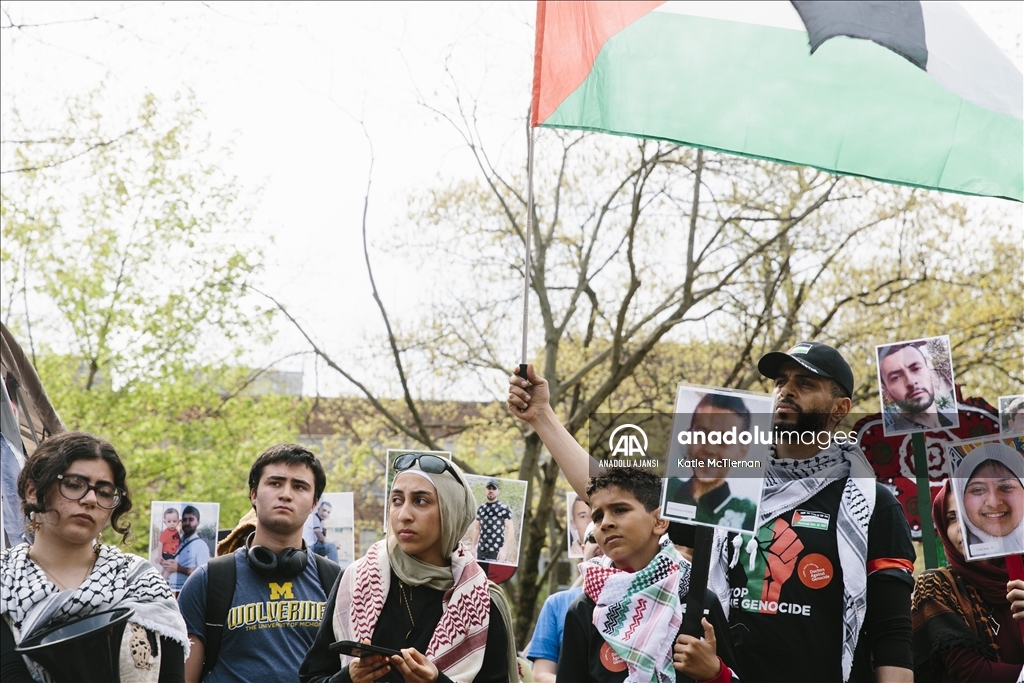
(312, 522)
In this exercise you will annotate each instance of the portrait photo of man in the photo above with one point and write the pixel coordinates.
(702, 484)
(577, 518)
(915, 380)
(492, 530)
(183, 537)
(494, 535)
(314, 533)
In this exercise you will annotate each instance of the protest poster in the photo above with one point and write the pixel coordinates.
(182, 538)
(330, 529)
(916, 386)
(721, 441)
(987, 477)
(495, 534)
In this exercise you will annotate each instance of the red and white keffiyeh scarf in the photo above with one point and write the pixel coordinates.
(639, 614)
(460, 638)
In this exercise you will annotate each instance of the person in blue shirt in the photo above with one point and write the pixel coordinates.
(546, 644)
(278, 598)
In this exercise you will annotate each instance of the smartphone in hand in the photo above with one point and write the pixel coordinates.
(353, 649)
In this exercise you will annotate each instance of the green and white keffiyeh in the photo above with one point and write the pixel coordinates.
(638, 614)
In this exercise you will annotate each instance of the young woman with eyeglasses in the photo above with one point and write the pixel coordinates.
(419, 592)
(71, 488)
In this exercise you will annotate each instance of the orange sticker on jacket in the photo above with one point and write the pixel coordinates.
(611, 660)
(815, 571)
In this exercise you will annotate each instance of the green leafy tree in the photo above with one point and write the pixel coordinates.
(125, 265)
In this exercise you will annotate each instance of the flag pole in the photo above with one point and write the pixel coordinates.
(529, 234)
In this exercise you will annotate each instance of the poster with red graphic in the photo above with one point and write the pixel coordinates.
(892, 457)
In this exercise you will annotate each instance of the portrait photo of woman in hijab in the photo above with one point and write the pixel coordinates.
(989, 487)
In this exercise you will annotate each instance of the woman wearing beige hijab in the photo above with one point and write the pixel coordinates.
(418, 591)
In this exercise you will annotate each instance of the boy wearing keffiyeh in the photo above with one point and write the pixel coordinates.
(625, 626)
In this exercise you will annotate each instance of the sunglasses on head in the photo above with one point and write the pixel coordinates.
(428, 463)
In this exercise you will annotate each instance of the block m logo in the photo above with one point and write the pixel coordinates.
(278, 591)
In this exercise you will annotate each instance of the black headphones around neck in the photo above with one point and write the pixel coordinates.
(289, 562)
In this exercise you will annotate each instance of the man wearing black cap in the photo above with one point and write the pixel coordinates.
(492, 531)
(821, 593)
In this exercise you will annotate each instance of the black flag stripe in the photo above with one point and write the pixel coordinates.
(897, 26)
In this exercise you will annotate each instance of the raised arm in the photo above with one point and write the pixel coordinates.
(529, 400)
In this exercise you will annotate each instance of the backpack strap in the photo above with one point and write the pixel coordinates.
(328, 572)
(220, 589)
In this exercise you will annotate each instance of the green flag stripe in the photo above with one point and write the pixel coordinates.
(853, 107)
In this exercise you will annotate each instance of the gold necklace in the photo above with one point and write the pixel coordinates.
(408, 609)
(53, 578)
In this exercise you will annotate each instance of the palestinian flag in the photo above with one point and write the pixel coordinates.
(904, 92)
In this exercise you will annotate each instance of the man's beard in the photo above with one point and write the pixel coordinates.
(811, 421)
(917, 405)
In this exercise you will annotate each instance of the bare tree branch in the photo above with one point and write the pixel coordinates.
(87, 150)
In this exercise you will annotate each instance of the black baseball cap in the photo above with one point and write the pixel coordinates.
(821, 359)
(492, 483)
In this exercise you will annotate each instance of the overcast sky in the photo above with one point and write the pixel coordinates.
(286, 84)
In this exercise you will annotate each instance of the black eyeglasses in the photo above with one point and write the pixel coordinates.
(428, 463)
(77, 487)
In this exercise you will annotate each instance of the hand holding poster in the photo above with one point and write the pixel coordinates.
(987, 478)
(721, 443)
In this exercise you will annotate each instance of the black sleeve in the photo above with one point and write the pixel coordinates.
(172, 661)
(496, 665)
(320, 665)
(890, 550)
(887, 624)
(573, 659)
(890, 562)
(12, 667)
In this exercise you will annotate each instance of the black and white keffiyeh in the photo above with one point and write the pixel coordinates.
(789, 483)
(32, 603)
